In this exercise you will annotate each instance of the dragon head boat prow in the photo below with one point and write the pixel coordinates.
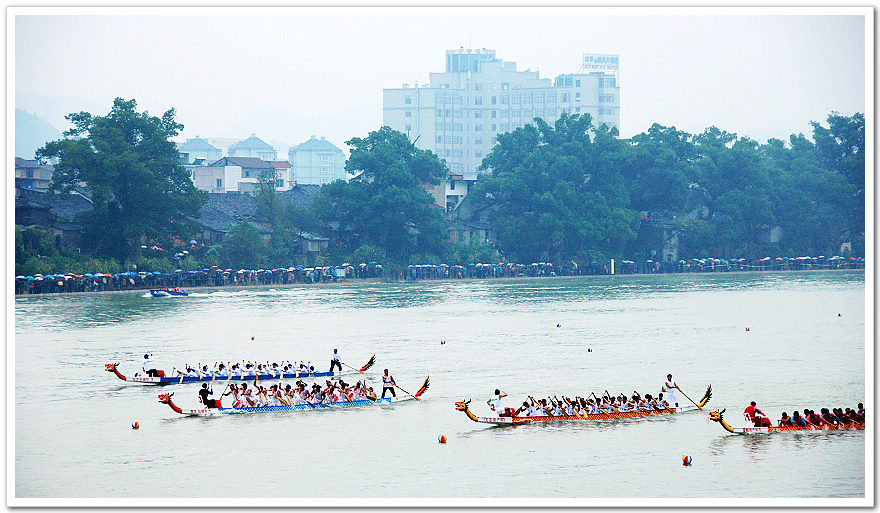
(463, 406)
(718, 416)
(166, 399)
(112, 367)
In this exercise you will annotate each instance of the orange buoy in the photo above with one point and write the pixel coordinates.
(686, 461)
(442, 439)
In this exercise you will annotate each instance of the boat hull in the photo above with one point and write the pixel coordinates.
(143, 380)
(167, 293)
(209, 412)
(773, 429)
(576, 418)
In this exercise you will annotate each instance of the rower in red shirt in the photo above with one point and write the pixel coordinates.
(753, 414)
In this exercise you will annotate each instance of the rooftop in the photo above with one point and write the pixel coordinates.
(252, 143)
(316, 144)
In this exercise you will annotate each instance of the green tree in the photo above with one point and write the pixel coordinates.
(558, 192)
(243, 247)
(129, 165)
(387, 205)
(841, 148)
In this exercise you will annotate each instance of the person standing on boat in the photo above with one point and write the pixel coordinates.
(149, 369)
(388, 384)
(669, 388)
(335, 361)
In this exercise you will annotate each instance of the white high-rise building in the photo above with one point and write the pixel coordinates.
(460, 113)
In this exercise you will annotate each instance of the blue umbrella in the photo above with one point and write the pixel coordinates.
(156, 272)
(30, 278)
(88, 275)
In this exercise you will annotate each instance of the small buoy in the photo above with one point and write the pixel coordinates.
(838, 315)
(252, 338)
(558, 326)
(686, 461)
(135, 425)
(747, 329)
(589, 349)
(442, 342)
(442, 439)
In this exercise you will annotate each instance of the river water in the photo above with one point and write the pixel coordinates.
(786, 340)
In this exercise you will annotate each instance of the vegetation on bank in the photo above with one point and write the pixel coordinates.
(567, 192)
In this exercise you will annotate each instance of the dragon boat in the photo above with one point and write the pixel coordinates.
(462, 406)
(220, 410)
(718, 416)
(168, 293)
(162, 379)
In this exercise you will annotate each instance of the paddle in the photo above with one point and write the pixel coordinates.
(689, 399)
(407, 393)
(350, 367)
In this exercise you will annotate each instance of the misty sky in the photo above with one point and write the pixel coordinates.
(287, 74)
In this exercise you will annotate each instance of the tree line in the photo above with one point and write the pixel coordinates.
(570, 191)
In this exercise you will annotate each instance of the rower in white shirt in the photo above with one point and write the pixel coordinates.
(495, 402)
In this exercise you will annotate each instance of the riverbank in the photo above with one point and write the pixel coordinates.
(363, 281)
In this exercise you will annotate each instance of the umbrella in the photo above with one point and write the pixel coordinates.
(87, 275)
(30, 278)
(193, 242)
(39, 278)
(156, 272)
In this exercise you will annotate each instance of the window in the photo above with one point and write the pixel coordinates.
(504, 127)
(577, 109)
(505, 86)
(504, 100)
(551, 98)
(444, 86)
(409, 113)
(456, 139)
(577, 97)
(514, 99)
(456, 100)
(478, 154)
(494, 113)
(439, 139)
(279, 184)
(478, 87)
(459, 113)
(245, 174)
(478, 128)
(494, 140)
(494, 128)
(606, 98)
(457, 127)
(439, 113)
(407, 100)
(219, 183)
(494, 86)
(478, 114)
(478, 100)
(451, 185)
(527, 98)
(539, 97)
(564, 97)
(325, 158)
(478, 140)
(514, 113)
(494, 100)
(577, 83)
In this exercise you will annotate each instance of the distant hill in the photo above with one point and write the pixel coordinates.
(31, 134)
